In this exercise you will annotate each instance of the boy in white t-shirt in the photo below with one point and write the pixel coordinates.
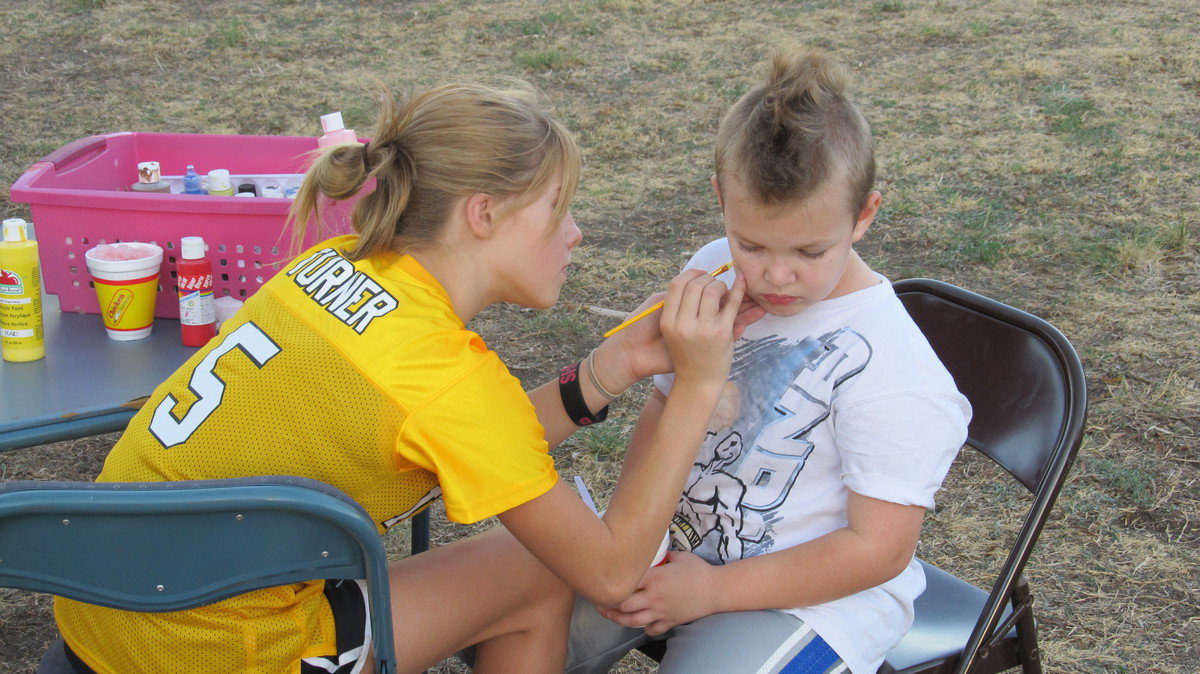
(793, 540)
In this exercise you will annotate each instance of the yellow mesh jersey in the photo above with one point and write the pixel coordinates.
(356, 374)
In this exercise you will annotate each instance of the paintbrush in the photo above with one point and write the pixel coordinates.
(659, 305)
(585, 494)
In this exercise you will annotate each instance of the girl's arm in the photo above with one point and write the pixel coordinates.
(604, 559)
(620, 361)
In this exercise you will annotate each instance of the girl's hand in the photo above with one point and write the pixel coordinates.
(637, 351)
(674, 593)
(697, 322)
(640, 350)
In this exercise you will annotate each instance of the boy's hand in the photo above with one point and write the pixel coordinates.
(674, 593)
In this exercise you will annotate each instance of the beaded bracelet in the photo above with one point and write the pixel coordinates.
(572, 398)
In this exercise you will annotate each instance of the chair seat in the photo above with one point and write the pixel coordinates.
(945, 615)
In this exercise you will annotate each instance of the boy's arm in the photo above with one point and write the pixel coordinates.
(874, 547)
(878, 542)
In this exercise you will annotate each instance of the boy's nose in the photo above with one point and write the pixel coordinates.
(779, 275)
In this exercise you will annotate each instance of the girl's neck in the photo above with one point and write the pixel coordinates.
(461, 275)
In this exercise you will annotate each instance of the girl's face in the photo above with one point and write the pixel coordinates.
(797, 254)
(538, 251)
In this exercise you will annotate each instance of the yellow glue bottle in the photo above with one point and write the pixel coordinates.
(20, 295)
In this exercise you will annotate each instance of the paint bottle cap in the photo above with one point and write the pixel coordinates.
(191, 247)
(148, 172)
(16, 229)
(218, 179)
(272, 191)
(332, 122)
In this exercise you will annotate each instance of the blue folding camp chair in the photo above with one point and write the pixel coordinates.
(167, 546)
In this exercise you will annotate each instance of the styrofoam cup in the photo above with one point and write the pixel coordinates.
(126, 279)
(664, 547)
(660, 557)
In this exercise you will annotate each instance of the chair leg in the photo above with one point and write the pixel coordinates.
(54, 660)
(1027, 638)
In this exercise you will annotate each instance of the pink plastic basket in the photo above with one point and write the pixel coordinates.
(79, 197)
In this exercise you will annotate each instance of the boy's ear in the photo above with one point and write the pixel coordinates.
(867, 215)
(479, 211)
(716, 185)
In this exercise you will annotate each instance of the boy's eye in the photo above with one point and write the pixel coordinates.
(812, 255)
(748, 249)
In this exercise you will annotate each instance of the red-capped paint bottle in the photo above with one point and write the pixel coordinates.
(194, 280)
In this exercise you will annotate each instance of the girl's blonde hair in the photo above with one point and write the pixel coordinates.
(431, 150)
(786, 138)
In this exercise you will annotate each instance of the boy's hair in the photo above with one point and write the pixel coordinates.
(428, 151)
(786, 138)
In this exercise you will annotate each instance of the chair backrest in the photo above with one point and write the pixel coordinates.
(167, 546)
(1029, 398)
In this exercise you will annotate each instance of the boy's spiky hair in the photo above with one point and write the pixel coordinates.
(787, 137)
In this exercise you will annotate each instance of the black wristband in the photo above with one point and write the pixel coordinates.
(572, 398)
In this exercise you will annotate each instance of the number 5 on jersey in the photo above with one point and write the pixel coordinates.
(207, 386)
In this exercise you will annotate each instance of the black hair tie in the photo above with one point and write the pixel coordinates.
(366, 158)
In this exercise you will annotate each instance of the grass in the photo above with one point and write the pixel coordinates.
(542, 60)
(1045, 154)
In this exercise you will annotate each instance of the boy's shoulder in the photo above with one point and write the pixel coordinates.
(712, 255)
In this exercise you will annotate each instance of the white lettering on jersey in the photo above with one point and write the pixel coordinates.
(349, 295)
(311, 263)
(208, 387)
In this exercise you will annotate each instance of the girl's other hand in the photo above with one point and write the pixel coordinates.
(639, 350)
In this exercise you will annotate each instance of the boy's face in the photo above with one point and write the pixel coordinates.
(797, 254)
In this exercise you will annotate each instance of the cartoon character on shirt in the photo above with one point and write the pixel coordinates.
(736, 490)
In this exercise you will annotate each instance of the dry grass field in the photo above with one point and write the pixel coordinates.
(1045, 153)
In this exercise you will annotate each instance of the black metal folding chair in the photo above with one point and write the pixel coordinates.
(168, 546)
(1027, 388)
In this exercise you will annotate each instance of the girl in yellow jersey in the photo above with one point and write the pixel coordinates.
(354, 366)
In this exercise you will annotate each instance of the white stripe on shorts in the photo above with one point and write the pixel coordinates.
(783, 650)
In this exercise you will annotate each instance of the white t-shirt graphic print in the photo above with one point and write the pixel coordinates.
(847, 395)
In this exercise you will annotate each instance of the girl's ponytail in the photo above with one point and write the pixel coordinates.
(427, 152)
(377, 215)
